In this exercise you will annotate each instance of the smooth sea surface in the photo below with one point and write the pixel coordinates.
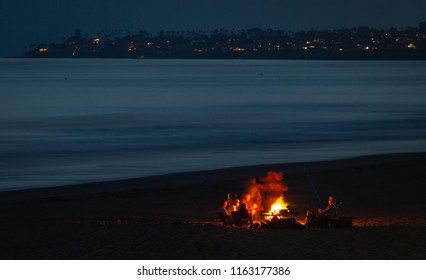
(74, 121)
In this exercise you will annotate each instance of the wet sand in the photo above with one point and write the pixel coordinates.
(173, 216)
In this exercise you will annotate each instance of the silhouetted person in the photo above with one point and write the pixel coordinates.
(330, 211)
(241, 217)
(223, 213)
(322, 217)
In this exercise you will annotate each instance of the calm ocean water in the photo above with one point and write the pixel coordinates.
(72, 121)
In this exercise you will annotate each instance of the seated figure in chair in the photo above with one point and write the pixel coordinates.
(322, 217)
(330, 211)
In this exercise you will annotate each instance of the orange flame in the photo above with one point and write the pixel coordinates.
(259, 193)
(278, 205)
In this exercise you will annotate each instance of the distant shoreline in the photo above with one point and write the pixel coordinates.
(358, 43)
(272, 59)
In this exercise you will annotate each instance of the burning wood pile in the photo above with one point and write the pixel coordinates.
(263, 204)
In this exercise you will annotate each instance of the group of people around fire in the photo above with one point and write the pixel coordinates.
(233, 211)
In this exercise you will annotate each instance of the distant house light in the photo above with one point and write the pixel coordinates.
(412, 46)
(96, 41)
(131, 46)
(237, 49)
(43, 50)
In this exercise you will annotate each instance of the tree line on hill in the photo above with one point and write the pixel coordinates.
(254, 43)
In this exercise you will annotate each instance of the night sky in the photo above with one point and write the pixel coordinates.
(26, 22)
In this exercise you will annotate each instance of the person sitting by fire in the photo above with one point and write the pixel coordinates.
(322, 217)
(246, 199)
(330, 211)
(241, 217)
(250, 205)
(223, 213)
(233, 203)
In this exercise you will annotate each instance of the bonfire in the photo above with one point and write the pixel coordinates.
(264, 201)
(269, 193)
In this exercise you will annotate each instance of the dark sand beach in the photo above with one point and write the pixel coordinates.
(174, 216)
